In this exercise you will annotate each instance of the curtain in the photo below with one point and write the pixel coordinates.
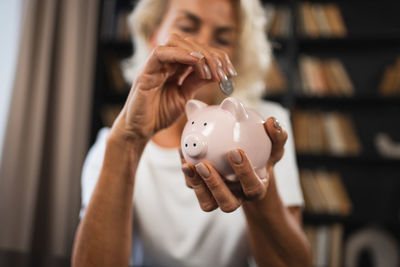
(47, 132)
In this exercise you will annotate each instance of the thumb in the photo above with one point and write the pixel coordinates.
(278, 138)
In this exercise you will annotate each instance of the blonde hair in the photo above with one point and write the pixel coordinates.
(252, 55)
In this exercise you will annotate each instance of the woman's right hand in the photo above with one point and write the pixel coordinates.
(169, 78)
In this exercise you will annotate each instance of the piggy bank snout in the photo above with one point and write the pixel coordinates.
(195, 145)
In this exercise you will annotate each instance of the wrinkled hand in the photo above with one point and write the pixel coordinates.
(169, 78)
(213, 191)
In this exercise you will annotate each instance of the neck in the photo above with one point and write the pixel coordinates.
(171, 136)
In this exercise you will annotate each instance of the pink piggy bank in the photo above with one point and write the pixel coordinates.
(213, 131)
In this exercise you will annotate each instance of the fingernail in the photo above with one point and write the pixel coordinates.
(202, 169)
(232, 71)
(222, 75)
(236, 156)
(197, 54)
(277, 125)
(228, 59)
(180, 81)
(187, 171)
(219, 63)
(207, 71)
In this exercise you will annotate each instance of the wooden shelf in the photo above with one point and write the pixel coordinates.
(116, 98)
(320, 218)
(352, 42)
(124, 46)
(353, 101)
(366, 161)
(338, 101)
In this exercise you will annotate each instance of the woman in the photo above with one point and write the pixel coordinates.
(137, 160)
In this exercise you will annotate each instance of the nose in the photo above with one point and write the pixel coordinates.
(195, 145)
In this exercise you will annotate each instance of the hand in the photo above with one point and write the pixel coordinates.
(169, 78)
(213, 191)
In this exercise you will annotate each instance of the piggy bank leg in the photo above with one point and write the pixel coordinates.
(262, 173)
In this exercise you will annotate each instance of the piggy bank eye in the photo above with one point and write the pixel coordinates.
(205, 124)
(192, 122)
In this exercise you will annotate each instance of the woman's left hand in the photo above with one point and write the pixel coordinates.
(213, 191)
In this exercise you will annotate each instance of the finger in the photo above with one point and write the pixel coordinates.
(253, 186)
(220, 191)
(184, 75)
(201, 67)
(225, 62)
(186, 169)
(231, 69)
(278, 138)
(165, 54)
(216, 67)
(204, 196)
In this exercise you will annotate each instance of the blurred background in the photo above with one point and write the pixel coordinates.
(336, 67)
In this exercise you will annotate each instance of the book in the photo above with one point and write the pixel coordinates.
(339, 71)
(335, 259)
(325, 193)
(310, 23)
(332, 83)
(335, 20)
(336, 142)
(301, 136)
(347, 129)
(325, 133)
(390, 82)
(320, 20)
(323, 248)
(324, 77)
(278, 21)
(326, 242)
(341, 194)
(315, 202)
(322, 179)
(114, 73)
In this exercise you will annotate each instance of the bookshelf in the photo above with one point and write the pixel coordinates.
(370, 45)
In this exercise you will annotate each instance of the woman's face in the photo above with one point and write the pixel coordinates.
(210, 22)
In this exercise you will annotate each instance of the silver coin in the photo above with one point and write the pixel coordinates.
(227, 87)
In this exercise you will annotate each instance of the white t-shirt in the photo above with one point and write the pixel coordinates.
(169, 227)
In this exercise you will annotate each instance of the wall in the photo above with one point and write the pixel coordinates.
(11, 13)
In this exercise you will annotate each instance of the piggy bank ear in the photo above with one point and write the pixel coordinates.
(192, 106)
(235, 107)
